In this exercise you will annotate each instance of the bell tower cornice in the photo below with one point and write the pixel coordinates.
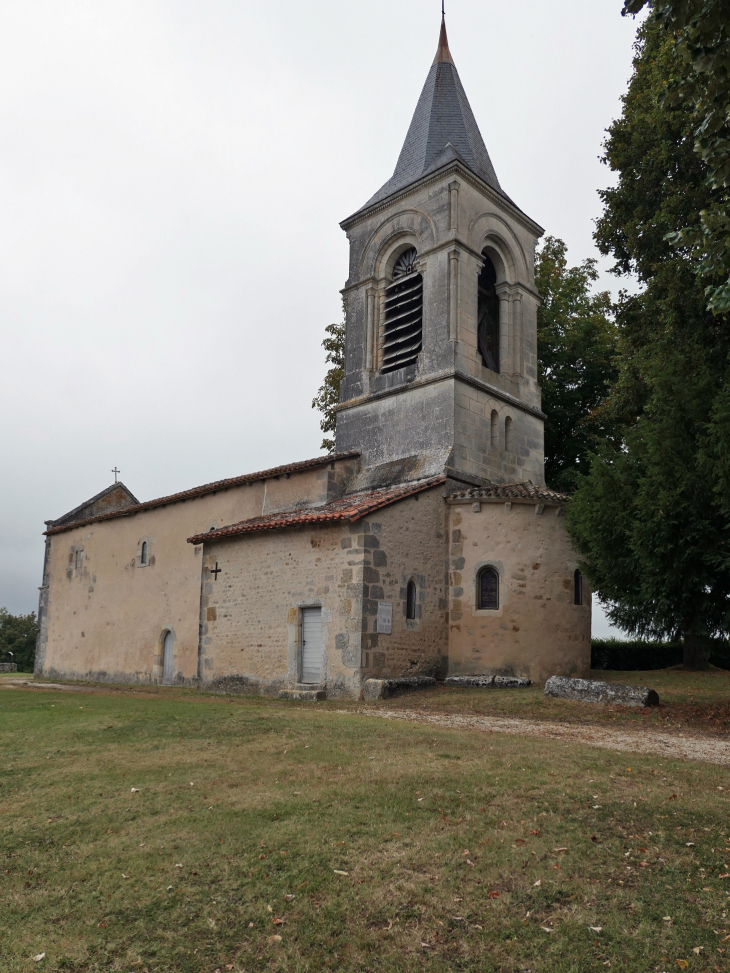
(453, 168)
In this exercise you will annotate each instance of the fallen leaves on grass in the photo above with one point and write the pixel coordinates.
(596, 928)
(38, 957)
(339, 871)
(274, 939)
(547, 929)
(682, 964)
(135, 790)
(495, 895)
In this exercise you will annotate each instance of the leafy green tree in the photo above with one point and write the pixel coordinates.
(647, 516)
(328, 395)
(17, 639)
(576, 345)
(700, 32)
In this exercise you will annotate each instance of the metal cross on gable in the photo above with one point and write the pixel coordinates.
(116, 472)
(215, 571)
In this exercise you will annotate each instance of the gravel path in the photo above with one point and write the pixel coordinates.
(672, 746)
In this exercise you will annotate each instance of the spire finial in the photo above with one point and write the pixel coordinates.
(443, 53)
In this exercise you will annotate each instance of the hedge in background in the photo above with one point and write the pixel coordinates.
(640, 654)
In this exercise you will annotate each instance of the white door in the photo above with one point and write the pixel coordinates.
(311, 645)
(167, 662)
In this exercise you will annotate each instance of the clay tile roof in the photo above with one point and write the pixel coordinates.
(349, 508)
(512, 491)
(276, 471)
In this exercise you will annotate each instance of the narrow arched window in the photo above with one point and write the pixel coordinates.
(508, 434)
(488, 316)
(495, 428)
(143, 553)
(577, 588)
(488, 589)
(411, 600)
(403, 314)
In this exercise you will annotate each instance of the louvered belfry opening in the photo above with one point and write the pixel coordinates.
(403, 314)
(488, 316)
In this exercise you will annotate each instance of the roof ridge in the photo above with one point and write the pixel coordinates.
(212, 487)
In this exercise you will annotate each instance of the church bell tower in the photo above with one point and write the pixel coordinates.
(441, 324)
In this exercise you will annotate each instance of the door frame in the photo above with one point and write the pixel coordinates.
(300, 664)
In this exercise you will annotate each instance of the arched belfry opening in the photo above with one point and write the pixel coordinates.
(403, 314)
(488, 315)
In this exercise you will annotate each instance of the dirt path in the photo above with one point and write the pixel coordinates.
(672, 746)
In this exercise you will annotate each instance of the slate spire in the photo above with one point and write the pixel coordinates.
(443, 128)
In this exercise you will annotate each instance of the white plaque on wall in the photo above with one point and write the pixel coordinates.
(385, 617)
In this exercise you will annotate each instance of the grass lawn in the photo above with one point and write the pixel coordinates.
(265, 835)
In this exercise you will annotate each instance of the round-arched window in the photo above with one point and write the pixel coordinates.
(577, 588)
(411, 600)
(143, 553)
(488, 589)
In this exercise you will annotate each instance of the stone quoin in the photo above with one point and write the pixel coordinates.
(427, 546)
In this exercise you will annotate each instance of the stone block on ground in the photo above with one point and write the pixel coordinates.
(306, 694)
(511, 682)
(8, 666)
(384, 688)
(596, 691)
(483, 682)
(480, 681)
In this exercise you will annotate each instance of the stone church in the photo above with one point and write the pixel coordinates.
(427, 543)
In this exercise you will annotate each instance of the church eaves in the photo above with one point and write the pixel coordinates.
(443, 128)
(350, 508)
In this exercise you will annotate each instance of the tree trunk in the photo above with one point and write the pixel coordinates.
(694, 652)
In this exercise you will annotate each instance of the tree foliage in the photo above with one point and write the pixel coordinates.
(648, 516)
(328, 395)
(576, 341)
(700, 32)
(17, 636)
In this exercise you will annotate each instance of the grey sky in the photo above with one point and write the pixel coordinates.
(172, 177)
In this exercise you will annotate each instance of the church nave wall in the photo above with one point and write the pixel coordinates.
(106, 618)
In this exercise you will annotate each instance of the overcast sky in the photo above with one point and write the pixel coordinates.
(172, 177)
